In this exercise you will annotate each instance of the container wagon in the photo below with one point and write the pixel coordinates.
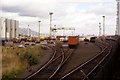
(92, 39)
(73, 41)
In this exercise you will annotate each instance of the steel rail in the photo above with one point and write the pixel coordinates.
(63, 57)
(53, 59)
(28, 77)
(67, 57)
(98, 64)
(82, 64)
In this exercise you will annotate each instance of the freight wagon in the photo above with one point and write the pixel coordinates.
(73, 41)
(92, 39)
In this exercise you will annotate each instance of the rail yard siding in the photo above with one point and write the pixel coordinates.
(109, 68)
(83, 53)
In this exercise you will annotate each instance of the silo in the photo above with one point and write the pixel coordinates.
(16, 28)
(12, 28)
(8, 28)
(2, 28)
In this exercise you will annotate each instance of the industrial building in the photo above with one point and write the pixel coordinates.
(8, 28)
(118, 18)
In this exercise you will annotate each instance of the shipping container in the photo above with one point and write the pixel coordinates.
(73, 41)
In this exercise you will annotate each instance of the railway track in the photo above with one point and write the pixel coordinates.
(44, 66)
(49, 70)
(55, 66)
(88, 69)
(67, 57)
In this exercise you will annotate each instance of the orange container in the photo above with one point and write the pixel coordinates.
(73, 40)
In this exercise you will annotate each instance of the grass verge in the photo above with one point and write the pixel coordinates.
(15, 60)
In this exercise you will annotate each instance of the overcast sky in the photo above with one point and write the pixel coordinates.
(83, 15)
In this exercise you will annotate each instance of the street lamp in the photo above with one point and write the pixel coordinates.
(39, 28)
(50, 21)
(103, 25)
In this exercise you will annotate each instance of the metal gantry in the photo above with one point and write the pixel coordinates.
(54, 30)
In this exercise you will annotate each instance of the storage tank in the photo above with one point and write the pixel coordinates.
(2, 28)
(16, 28)
(13, 28)
(8, 28)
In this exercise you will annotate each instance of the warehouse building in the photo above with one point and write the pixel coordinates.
(8, 28)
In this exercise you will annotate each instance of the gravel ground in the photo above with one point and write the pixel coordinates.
(84, 52)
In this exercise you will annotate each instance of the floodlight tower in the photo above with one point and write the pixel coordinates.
(118, 18)
(103, 25)
(39, 28)
(51, 13)
(28, 30)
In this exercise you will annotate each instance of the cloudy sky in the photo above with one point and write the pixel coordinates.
(83, 15)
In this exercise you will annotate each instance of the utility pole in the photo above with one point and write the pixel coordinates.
(39, 28)
(50, 21)
(103, 25)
